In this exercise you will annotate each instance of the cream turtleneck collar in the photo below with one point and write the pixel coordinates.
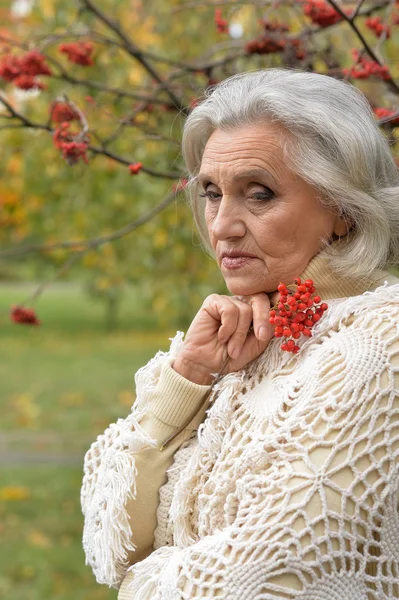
(330, 284)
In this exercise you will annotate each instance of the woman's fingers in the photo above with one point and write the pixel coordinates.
(261, 311)
(236, 314)
(237, 339)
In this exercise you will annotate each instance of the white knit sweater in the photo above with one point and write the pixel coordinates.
(289, 487)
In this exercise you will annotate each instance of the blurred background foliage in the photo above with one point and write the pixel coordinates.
(62, 383)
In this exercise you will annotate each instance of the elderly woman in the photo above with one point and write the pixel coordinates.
(245, 471)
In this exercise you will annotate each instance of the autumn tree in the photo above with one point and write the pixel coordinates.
(93, 98)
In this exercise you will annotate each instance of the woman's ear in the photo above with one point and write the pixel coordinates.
(342, 225)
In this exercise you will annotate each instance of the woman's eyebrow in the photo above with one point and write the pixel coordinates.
(248, 174)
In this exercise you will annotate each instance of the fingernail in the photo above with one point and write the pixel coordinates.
(263, 334)
(235, 352)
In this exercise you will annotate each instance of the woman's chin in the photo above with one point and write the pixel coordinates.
(247, 288)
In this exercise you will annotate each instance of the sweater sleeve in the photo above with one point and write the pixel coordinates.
(124, 469)
(317, 514)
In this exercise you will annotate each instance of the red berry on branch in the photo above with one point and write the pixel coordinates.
(73, 145)
(34, 63)
(63, 112)
(24, 316)
(78, 52)
(222, 25)
(135, 168)
(28, 82)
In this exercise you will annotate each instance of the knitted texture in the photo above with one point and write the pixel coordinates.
(109, 480)
(289, 489)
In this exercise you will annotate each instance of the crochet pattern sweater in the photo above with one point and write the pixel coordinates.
(284, 486)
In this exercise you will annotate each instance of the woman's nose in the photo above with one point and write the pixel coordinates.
(228, 221)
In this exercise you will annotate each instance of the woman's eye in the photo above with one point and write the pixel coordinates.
(263, 195)
(266, 195)
(210, 195)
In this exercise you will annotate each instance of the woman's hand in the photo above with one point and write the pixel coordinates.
(220, 329)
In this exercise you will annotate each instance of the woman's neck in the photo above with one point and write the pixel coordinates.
(329, 284)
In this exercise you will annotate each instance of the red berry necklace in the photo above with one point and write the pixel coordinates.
(295, 313)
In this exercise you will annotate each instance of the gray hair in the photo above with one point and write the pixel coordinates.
(332, 141)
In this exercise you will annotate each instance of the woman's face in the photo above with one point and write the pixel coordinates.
(255, 205)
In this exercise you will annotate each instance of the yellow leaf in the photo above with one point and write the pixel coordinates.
(39, 539)
(160, 238)
(27, 412)
(72, 399)
(126, 398)
(13, 493)
(90, 259)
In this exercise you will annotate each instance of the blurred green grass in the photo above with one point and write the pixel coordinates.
(68, 379)
(41, 531)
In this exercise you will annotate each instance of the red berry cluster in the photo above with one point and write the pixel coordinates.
(135, 168)
(376, 25)
(297, 310)
(321, 13)
(78, 52)
(364, 68)
(26, 316)
(273, 25)
(72, 145)
(265, 45)
(23, 71)
(381, 113)
(62, 112)
(222, 25)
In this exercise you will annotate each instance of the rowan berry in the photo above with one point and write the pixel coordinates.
(296, 312)
(299, 317)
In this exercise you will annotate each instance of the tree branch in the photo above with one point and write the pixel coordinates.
(96, 242)
(132, 49)
(350, 20)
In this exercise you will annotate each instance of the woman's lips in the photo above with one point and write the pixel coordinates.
(235, 262)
